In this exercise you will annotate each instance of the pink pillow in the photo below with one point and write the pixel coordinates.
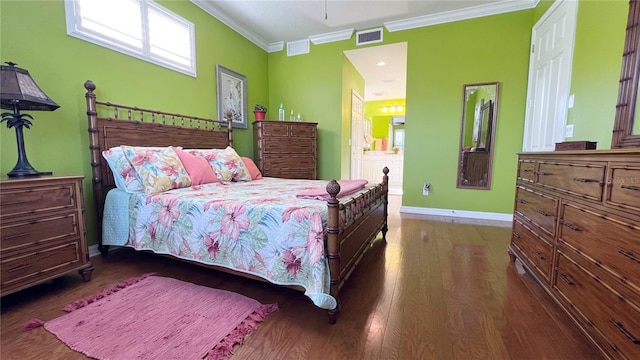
(253, 169)
(197, 167)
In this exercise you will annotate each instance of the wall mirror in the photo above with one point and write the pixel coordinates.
(626, 129)
(477, 135)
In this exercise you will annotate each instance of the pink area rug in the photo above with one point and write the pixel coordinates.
(154, 317)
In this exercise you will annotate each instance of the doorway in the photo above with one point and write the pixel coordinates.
(550, 77)
(377, 137)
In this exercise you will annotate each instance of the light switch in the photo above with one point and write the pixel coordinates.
(570, 102)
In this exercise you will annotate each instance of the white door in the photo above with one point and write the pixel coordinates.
(550, 77)
(357, 134)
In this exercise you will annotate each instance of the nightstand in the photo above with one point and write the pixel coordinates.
(42, 231)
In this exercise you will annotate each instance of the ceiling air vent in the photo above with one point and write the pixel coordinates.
(298, 47)
(369, 36)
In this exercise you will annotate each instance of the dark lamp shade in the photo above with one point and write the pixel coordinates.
(17, 87)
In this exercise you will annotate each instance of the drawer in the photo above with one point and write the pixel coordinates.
(289, 163)
(616, 249)
(630, 293)
(29, 232)
(17, 201)
(291, 174)
(289, 146)
(617, 321)
(275, 129)
(303, 131)
(526, 169)
(624, 187)
(538, 208)
(41, 262)
(534, 247)
(582, 179)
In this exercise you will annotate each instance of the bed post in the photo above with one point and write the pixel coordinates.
(385, 181)
(94, 146)
(229, 117)
(333, 245)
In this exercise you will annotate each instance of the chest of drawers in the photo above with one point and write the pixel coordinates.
(286, 149)
(42, 233)
(577, 230)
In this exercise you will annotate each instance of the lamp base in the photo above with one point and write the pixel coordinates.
(28, 173)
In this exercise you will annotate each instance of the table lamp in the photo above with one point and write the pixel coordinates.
(18, 92)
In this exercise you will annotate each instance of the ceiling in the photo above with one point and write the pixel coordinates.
(272, 23)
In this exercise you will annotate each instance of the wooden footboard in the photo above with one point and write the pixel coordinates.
(351, 227)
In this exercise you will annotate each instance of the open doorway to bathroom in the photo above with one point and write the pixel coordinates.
(377, 129)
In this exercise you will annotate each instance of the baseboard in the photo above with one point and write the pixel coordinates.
(500, 218)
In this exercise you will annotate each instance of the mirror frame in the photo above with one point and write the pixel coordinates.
(628, 89)
(493, 113)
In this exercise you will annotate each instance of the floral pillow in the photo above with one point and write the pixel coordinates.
(226, 162)
(157, 169)
(123, 172)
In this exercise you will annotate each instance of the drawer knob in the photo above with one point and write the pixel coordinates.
(566, 279)
(570, 225)
(19, 267)
(520, 201)
(14, 236)
(585, 180)
(630, 255)
(631, 187)
(543, 213)
(620, 326)
(544, 173)
(516, 235)
(539, 255)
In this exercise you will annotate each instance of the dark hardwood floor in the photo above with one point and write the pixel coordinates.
(435, 290)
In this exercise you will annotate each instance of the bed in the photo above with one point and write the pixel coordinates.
(325, 241)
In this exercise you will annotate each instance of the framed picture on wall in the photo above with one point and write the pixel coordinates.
(232, 96)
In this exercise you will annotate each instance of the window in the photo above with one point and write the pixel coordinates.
(140, 28)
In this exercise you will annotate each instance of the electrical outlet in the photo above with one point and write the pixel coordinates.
(568, 131)
(426, 188)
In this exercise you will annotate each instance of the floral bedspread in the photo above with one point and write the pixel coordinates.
(257, 227)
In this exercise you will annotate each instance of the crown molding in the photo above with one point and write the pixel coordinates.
(209, 9)
(332, 36)
(391, 26)
(276, 46)
(463, 14)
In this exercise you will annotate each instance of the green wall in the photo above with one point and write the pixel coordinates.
(33, 34)
(351, 80)
(441, 59)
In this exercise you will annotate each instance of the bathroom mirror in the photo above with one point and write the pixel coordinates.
(626, 129)
(477, 135)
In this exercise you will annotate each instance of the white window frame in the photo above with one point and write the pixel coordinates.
(75, 29)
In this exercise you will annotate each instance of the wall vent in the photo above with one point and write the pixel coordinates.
(298, 47)
(369, 36)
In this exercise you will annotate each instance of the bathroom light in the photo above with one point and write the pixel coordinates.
(381, 63)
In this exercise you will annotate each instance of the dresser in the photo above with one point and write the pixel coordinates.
(42, 231)
(286, 149)
(576, 229)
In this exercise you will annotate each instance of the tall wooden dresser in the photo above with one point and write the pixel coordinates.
(576, 229)
(286, 149)
(42, 232)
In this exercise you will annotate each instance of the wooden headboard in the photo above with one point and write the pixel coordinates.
(113, 125)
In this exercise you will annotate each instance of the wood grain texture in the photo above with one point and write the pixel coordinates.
(435, 290)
